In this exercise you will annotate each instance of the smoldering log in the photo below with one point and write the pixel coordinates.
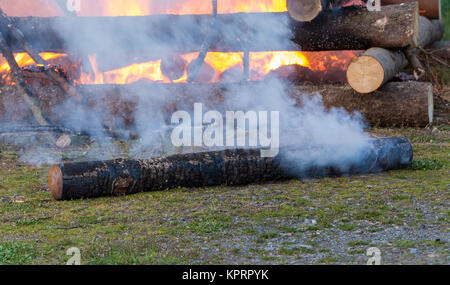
(374, 68)
(428, 8)
(227, 167)
(395, 104)
(395, 26)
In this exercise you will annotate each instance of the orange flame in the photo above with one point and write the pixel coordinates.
(261, 63)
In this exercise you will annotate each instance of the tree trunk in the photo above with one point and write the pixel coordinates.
(228, 167)
(395, 104)
(395, 26)
(156, 36)
(306, 10)
(428, 8)
(374, 68)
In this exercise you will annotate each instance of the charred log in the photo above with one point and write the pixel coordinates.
(228, 167)
(395, 26)
(430, 32)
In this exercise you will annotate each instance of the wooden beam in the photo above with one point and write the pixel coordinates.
(396, 26)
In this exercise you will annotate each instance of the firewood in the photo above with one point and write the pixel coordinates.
(396, 104)
(228, 167)
(37, 74)
(173, 66)
(24, 92)
(430, 32)
(395, 26)
(17, 34)
(374, 68)
(428, 8)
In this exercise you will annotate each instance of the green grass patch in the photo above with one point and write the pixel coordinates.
(17, 253)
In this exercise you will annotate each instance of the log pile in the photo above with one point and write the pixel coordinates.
(392, 37)
(228, 167)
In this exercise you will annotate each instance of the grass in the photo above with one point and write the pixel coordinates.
(221, 224)
(446, 18)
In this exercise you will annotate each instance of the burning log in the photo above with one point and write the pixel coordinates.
(7, 24)
(395, 26)
(228, 167)
(173, 67)
(428, 8)
(38, 74)
(24, 92)
(374, 68)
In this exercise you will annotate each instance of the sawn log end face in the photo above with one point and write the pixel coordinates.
(55, 182)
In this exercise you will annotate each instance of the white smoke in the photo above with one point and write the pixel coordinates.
(325, 137)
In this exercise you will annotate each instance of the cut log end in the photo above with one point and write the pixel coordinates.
(304, 10)
(55, 182)
(365, 74)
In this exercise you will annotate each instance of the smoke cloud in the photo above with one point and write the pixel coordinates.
(323, 137)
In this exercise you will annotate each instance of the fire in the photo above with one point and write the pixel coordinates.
(264, 62)
(216, 64)
(179, 7)
(23, 59)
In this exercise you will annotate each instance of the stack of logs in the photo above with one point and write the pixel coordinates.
(391, 37)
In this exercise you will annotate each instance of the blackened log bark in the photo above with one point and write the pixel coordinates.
(156, 36)
(228, 167)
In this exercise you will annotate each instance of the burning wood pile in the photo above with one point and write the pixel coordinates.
(226, 48)
(348, 51)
